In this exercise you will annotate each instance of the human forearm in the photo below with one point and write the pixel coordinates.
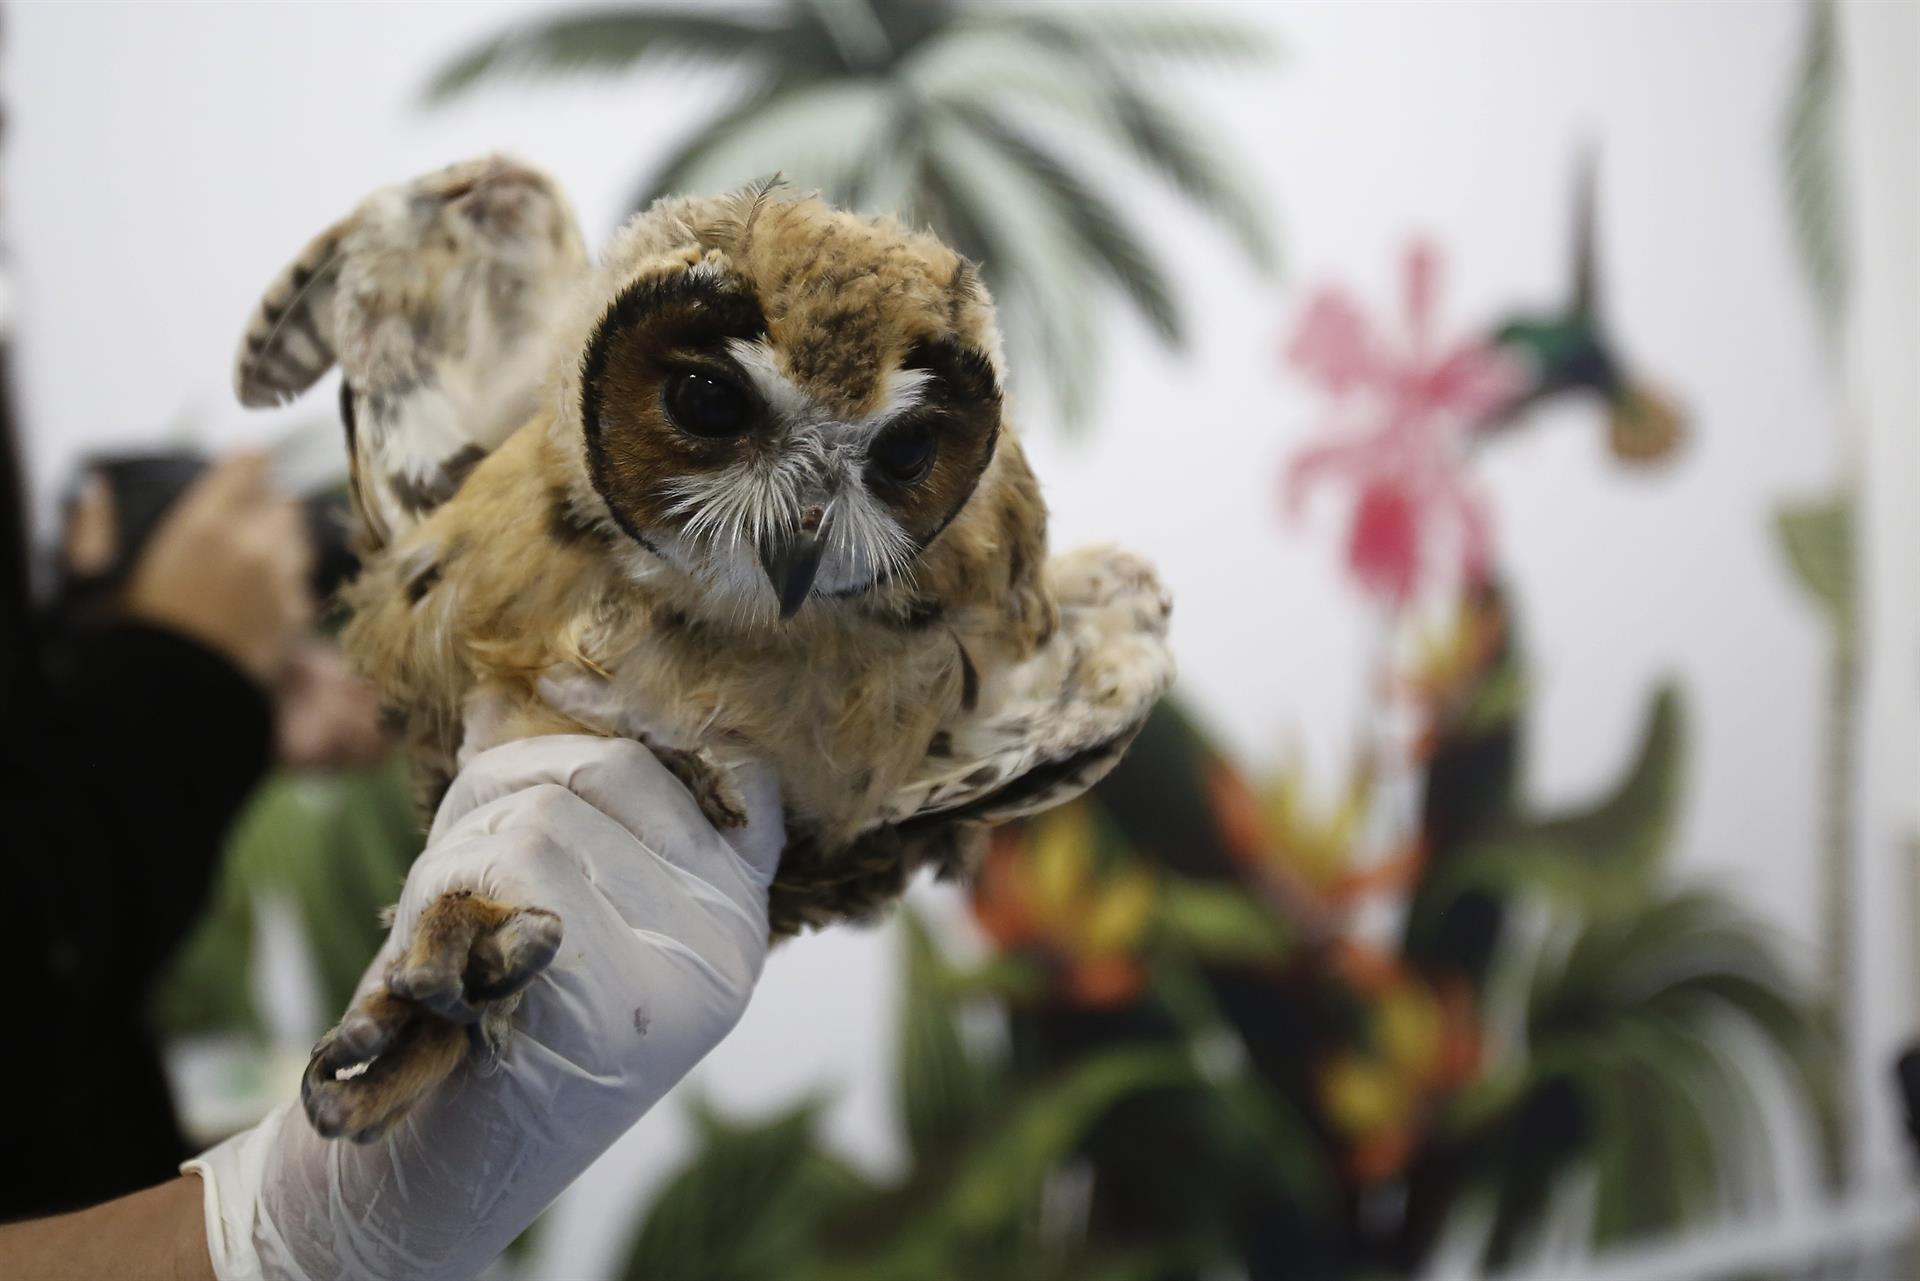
(157, 1234)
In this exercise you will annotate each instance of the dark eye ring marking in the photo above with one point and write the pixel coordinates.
(695, 309)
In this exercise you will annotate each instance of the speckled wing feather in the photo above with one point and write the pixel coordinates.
(1046, 730)
(289, 342)
(437, 298)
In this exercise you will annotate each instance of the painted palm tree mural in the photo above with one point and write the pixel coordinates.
(971, 119)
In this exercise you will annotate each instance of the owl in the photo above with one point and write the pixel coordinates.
(745, 487)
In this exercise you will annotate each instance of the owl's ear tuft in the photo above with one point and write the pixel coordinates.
(740, 214)
(289, 341)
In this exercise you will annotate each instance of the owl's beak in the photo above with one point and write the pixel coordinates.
(791, 560)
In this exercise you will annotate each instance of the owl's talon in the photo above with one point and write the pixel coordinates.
(487, 1039)
(450, 996)
(710, 783)
(361, 1035)
(512, 955)
(436, 988)
(348, 1093)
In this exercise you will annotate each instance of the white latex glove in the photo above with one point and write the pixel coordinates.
(664, 924)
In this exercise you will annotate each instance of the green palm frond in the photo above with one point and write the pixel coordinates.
(1165, 140)
(1603, 857)
(1652, 1017)
(746, 1206)
(605, 41)
(1154, 30)
(1026, 240)
(986, 66)
(944, 1091)
(902, 106)
(1818, 538)
(1119, 252)
(823, 136)
(1810, 156)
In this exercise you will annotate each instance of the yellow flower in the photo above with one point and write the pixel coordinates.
(1450, 659)
(1043, 889)
(1318, 843)
(1364, 1095)
(1409, 1025)
(1120, 912)
(1062, 858)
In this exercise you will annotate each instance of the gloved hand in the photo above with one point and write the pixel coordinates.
(664, 925)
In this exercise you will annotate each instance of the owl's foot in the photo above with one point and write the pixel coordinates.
(453, 990)
(710, 782)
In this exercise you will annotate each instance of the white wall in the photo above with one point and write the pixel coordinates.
(163, 160)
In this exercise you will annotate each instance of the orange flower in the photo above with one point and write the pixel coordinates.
(1042, 891)
(1382, 1156)
(1420, 1044)
(1281, 836)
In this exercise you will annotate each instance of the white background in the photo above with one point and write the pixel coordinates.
(164, 160)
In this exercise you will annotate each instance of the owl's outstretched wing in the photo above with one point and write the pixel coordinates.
(1046, 730)
(437, 299)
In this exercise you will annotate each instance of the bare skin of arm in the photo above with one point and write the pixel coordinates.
(158, 1234)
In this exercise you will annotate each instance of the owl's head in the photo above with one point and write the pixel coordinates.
(785, 401)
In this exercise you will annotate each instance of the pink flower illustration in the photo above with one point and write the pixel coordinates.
(1401, 416)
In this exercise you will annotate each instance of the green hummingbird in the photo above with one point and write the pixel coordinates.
(1570, 351)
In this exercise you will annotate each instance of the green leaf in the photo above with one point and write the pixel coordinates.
(1000, 1177)
(954, 1218)
(1221, 924)
(1810, 149)
(1605, 857)
(747, 1205)
(604, 41)
(1796, 1030)
(944, 1093)
(1004, 977)
(1496, 700)
(1819, 542)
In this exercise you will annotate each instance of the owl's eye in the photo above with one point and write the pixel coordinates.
(904, 454)
(707, 405)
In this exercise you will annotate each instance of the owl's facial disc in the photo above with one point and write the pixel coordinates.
(714, 450)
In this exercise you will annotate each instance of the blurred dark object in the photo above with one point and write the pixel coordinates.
(129, 750)
(141, 488)
(1906, 1074)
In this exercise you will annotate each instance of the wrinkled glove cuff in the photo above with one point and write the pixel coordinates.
(231, 1176)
